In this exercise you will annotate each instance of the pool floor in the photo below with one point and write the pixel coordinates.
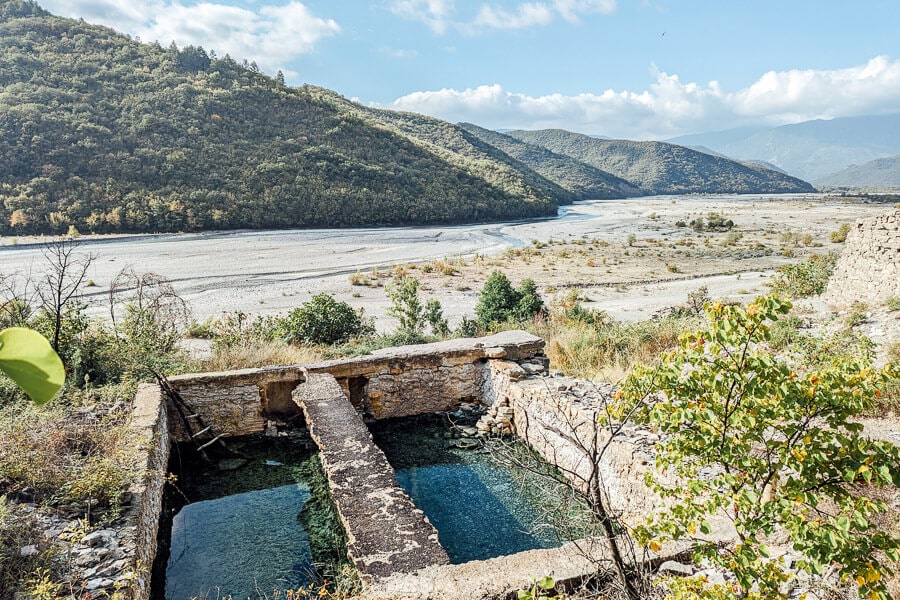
(481, 507)
(245, 530)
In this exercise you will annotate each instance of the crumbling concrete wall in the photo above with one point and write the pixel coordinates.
(868, 269)
(392, 382)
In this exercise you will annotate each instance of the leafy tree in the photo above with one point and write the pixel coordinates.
(406, 306)
(434, 314)
(499, 302)
(497, 299)
(752, 439)
(530, 302)
(324, 320)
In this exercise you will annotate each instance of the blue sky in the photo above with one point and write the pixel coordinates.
(640, 69)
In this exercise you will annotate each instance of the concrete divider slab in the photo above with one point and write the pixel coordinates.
(387, 533)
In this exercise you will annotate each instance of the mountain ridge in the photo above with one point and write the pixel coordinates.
(101, 133)
(810, 149)
(663, 168)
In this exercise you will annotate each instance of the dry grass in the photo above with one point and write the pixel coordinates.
(78, 457)
(608, 351)
(255, 355)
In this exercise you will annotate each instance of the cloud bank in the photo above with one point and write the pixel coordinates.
(670, 107)
(273, 36)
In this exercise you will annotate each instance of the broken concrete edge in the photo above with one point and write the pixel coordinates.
(387, 533)
(148, 428)
(570, 565)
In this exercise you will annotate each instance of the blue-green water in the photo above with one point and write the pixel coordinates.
(480, 506)
(240, 545)
(250, 526)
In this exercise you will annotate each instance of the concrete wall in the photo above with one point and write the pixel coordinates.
(150, 433)
(868, 269)
(393, 382)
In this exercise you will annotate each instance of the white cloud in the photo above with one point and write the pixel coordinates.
(526, 15)
(441, 15)
(670, 107)
(271, 35)
(437, 14)
(571, 10)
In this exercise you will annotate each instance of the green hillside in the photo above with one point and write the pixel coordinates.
(581, 179)
(662, 168)
(456, 145)
(106, 134)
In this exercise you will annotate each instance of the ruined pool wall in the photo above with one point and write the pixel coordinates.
(507, 372)
(150, 434)
(392, 382)
(558, 418)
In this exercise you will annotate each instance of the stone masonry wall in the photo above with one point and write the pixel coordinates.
(868, 269)
(557, 417)
(392, 382)
(149, 429)
(234, 402)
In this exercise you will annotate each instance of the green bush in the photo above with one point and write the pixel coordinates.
(753, 436)
(499, 302)
(406, 306)
(804, 279)
(324, 320)
(840, 235)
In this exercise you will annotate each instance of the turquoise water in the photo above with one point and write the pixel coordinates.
(240, 545)
(481, 507)
(243, 529)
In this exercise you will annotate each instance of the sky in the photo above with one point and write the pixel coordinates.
(637, 69)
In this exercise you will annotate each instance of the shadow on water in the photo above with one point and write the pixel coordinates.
(480, 507)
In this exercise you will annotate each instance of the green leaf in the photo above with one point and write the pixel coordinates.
(705, 528)
(843, 523)
(27, 358)
(546, 583)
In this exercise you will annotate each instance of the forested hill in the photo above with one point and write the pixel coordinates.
(662, 168)
(583, 180)
(456, 145)
(103, 133)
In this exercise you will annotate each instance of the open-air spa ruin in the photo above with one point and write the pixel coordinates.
(404, 463)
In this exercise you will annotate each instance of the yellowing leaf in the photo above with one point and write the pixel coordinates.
(655, 546)
(28, 359)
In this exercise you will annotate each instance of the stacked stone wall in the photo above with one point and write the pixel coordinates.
(868, 269)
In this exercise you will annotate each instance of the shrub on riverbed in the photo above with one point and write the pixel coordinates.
(324, 320)
(499, 302)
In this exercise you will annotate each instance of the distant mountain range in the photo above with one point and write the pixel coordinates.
(878, 173)
(580, 178)
(101, 133)
(661, 168)
(811, 150)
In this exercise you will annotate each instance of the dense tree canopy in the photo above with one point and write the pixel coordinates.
(106, 134)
